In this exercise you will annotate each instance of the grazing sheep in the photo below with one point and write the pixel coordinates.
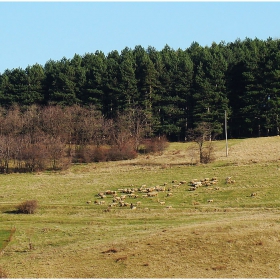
(160, 189)
(253, 194)
(229, 180)
(102, 202)
(89, 202)
(192, 188)
(151, 194)
(169, 207)
(210, 200)
(161, 202)
(144, 191)
(169, 194)
(132, 207)
(144, 195)
(112, 204)
(183, 182)
(196, 183)
(138, 203)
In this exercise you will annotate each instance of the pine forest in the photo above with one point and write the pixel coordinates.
(146, 92)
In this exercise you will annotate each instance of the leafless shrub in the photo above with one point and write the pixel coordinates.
(203, 135)
(100, 154)
(153, 145)
(28, 207)
(207, 154)
(125, 153)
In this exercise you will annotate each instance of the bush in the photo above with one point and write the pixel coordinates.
(28, 207)
(100, 154)
(87, 154)
(125, 153)
(154, 145)
(207, 154)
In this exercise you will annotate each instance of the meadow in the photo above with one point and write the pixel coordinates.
(235, 236)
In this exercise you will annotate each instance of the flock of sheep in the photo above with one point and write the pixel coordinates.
(131, 197)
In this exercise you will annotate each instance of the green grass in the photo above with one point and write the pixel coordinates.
(4, 237)
(68, 235)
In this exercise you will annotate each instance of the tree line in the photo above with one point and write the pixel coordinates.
(52, 137)
(175, 90)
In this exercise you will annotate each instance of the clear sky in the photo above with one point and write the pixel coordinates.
(34, 32)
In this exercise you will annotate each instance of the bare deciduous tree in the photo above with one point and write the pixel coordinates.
(203, 135)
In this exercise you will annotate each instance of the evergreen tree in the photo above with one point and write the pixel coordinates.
(36, 84)
(95, 67)
(112, 90)
(61, 86)
(128, 83)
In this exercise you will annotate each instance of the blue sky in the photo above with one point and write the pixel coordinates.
(34, 32)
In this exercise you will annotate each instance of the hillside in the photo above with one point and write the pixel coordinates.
(236, 235)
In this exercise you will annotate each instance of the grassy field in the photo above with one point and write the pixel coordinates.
(235, 236)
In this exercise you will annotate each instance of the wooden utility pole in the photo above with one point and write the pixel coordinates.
(226, 133)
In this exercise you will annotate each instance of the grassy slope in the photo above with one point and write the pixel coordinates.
(235, 236)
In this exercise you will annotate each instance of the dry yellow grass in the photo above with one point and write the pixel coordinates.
(237, 236)
(231, 246)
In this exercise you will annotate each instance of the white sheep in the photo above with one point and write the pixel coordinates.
(132, 207)
(152, 194)
(253, 194)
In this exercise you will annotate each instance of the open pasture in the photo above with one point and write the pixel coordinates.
(225, 230)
